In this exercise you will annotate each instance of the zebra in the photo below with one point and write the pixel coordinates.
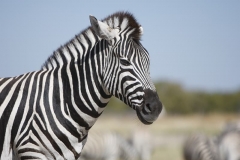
(46, 114)
(225, 146)
(200, 147)
(108, 145)
(229, 141)
(143, 143)
(111, 145)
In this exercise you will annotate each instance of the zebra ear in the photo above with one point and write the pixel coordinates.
(141, 30)
(102, 29)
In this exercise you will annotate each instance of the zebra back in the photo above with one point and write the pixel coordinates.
(200, 147)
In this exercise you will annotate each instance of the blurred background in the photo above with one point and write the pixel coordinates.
(194, 51)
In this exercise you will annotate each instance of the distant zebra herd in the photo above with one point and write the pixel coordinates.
(114, 146)
(140, 146)
(226, 146)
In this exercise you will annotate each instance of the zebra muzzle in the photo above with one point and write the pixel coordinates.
(151, 108)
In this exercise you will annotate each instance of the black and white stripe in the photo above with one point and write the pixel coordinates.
(200, 147)
(46, 114)
(226, 146)
(143, 144)
(229, 141)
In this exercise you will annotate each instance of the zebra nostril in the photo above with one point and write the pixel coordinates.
(148, 108)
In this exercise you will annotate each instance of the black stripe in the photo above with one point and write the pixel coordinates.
(29, 157)
(3, 80)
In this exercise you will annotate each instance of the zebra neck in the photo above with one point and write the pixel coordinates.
(79, 65)
(73, 51)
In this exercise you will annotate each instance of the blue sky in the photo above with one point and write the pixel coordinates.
(195, 43)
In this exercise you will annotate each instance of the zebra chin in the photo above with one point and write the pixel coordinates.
(151, 108)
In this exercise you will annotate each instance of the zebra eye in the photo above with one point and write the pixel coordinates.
(125, 62)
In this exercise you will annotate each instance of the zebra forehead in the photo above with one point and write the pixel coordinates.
(124, 20)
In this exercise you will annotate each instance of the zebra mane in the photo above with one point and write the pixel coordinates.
(123, 20)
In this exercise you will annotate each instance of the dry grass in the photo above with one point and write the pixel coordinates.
(168, 132)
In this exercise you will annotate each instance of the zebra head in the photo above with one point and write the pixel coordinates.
(126, 65)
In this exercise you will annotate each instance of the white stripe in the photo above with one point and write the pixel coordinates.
(124, 23)
(40, 120)
(91, 38)
(66, 55)
(103, 100)
(96, 107)
(116, 21)
(78, 46)
(83, 41)
(5, 83)
(73, 51)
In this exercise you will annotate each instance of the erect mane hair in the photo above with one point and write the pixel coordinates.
(123, 20)
(116, 20)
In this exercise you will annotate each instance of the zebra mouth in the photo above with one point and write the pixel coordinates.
(151, 108)
(140, 117)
